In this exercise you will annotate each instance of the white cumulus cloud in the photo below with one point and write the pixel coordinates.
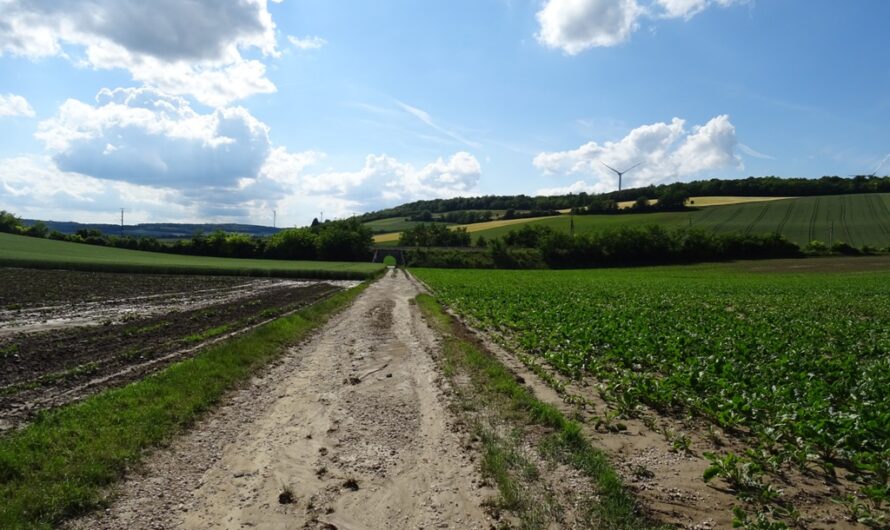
(382, 181)
(665, 152)
(577, 25)
(14, 105)
(144, 136)
(185, 48)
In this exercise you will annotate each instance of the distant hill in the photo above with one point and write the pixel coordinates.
(158, 230)
(858, 219)
(746, 187)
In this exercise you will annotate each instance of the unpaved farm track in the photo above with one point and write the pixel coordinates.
(354, 423)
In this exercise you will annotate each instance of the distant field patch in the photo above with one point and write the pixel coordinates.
(20, 251)
(724, 200)
(471, 228)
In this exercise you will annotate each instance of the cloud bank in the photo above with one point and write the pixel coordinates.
(666, 151)
(155, 154)
(183, 48)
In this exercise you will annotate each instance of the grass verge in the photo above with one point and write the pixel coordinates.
(558, 439)
(60, 465)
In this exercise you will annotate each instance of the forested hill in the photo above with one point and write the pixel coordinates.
(751, 186)
(157, 230)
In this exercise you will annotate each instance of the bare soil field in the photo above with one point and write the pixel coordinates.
(65, 335)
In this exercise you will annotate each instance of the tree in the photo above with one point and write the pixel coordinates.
(9, 222)
(293, 243)
(347, 240)
(38, 229)
(674, 198)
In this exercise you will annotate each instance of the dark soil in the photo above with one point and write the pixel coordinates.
(30, 287)
(46, 369)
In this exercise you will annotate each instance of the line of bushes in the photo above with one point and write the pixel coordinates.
(539, 246)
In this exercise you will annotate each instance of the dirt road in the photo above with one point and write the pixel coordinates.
(353, 424)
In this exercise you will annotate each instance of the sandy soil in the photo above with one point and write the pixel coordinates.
(353, 424)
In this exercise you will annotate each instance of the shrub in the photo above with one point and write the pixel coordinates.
(434, 235)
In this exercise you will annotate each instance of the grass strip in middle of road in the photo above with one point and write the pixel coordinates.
(60, 465)
(612, 506)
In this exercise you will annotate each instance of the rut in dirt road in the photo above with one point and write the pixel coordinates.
(352, 427)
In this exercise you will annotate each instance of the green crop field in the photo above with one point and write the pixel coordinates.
(34, 252)
(855, 219)
(391, 224)
(795, 364)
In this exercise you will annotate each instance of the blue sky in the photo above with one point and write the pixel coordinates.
(227, 110)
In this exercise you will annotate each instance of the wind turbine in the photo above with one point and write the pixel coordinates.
(620, 173)
(880, 165)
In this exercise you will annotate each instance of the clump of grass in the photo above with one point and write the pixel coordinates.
(286, 496)
(208, 334)
(8, 350)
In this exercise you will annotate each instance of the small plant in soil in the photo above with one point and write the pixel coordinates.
(761, 521)
(286, 496)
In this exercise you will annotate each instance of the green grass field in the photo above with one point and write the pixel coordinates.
(855, 219)
(793, 364)
(391, 224)
(43, 253)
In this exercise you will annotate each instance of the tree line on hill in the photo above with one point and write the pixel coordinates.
(763, 187)
(347, 240)
(752, 186)
(538, 246)
(466, 217)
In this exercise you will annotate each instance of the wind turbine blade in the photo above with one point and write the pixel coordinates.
(610, 167)
(631, 167)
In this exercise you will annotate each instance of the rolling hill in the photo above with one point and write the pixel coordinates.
(157, 230)
(860, 219)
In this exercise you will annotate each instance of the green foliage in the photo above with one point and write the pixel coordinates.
(800, 362)
(293, 243)
(646, 244)
(434, 235)
(761, 521)
(344, 240)
(9, 223)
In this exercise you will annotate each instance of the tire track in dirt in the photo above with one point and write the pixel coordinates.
(353, 424)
